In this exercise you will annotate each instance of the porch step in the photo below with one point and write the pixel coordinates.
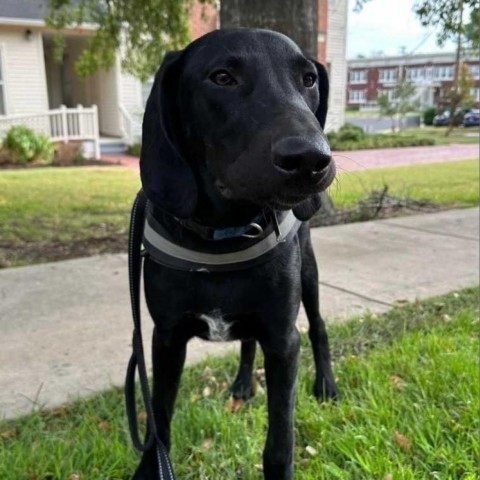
(112, 146)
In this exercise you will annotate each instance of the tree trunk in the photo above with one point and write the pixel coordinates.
(455, 95)
(298, 19)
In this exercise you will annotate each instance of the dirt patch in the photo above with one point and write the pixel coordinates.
(11, 255)
(378, 204)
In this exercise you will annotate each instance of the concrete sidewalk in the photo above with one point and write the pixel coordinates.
(65, 327)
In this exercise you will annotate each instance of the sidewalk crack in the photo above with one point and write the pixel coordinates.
(351, 292)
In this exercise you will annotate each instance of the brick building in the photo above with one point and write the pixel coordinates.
(432, 75)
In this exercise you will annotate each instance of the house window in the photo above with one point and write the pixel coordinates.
(445, 72)
(2, 84)
(415, 73)
(388, 75)
(356, 96)
(475, 71)
(358, 76)
(475, 93)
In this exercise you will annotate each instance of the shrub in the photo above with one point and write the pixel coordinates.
(68, 154)
(134, 149)
(26, 146)
(428, 115)
(350, 132)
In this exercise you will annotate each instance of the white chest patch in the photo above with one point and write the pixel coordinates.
(219, 330)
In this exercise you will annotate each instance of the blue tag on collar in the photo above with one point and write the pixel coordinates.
(230, 232)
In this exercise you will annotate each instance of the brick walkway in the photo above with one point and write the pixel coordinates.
(362, 159)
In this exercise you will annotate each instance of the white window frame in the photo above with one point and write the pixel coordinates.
(388, 75)
(444, 72)
(357, 96)
(474, 71)
(415, 73)
(358, 76)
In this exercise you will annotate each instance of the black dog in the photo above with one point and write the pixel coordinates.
(233, 143)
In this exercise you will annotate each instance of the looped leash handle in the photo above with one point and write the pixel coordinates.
(137, 360)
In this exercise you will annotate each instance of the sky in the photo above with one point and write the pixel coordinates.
(387, 25)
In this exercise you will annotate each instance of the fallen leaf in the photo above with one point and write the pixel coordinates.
(311, 451)
(7, 434)
(207, 443)
(104, 425)
(397, 382)
(207, 391)
(207, 372)
(74, 476)
(446, 317)
(259, 466)
(233, 405)
(195, 397)
(304, 462)
(401, 440)
(387, 477)
(142, 416)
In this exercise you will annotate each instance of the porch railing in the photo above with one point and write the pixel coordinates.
(61, 125)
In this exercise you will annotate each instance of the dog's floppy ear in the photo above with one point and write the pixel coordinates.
(305, 210)
(167, 179)
(323, 88)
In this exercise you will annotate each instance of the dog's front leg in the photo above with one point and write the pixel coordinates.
(168, 360)
(281, 363)
(242, 387)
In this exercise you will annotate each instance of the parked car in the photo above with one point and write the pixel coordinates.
(471, 118)
(443, 118)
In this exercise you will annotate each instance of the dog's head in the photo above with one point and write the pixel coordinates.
(237, 116)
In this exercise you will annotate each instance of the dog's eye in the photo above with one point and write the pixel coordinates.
(222, 78)
(309, 80)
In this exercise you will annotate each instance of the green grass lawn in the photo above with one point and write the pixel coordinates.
(453, 184)
(458, 134)
(57, 213)
(50, 213)
(409, 390)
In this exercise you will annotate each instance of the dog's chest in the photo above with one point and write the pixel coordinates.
(219, 330)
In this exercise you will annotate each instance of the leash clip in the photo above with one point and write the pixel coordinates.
(276, 227)
(258, 233)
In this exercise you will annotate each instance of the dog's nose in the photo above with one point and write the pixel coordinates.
(295, 155)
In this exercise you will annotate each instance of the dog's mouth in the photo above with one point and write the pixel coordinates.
(284, 195)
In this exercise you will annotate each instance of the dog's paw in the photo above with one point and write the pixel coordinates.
(243, 388)
(325, 390)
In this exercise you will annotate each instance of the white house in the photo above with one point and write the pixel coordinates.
(32, 83)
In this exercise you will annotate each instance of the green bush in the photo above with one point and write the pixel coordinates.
(26, 146)
(134, 149)
(350, 132)
(428, 115)
(379, 140)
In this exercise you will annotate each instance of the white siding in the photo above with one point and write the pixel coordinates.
(25, 80)
(336, 59)
(131, 93)
(105, 94)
